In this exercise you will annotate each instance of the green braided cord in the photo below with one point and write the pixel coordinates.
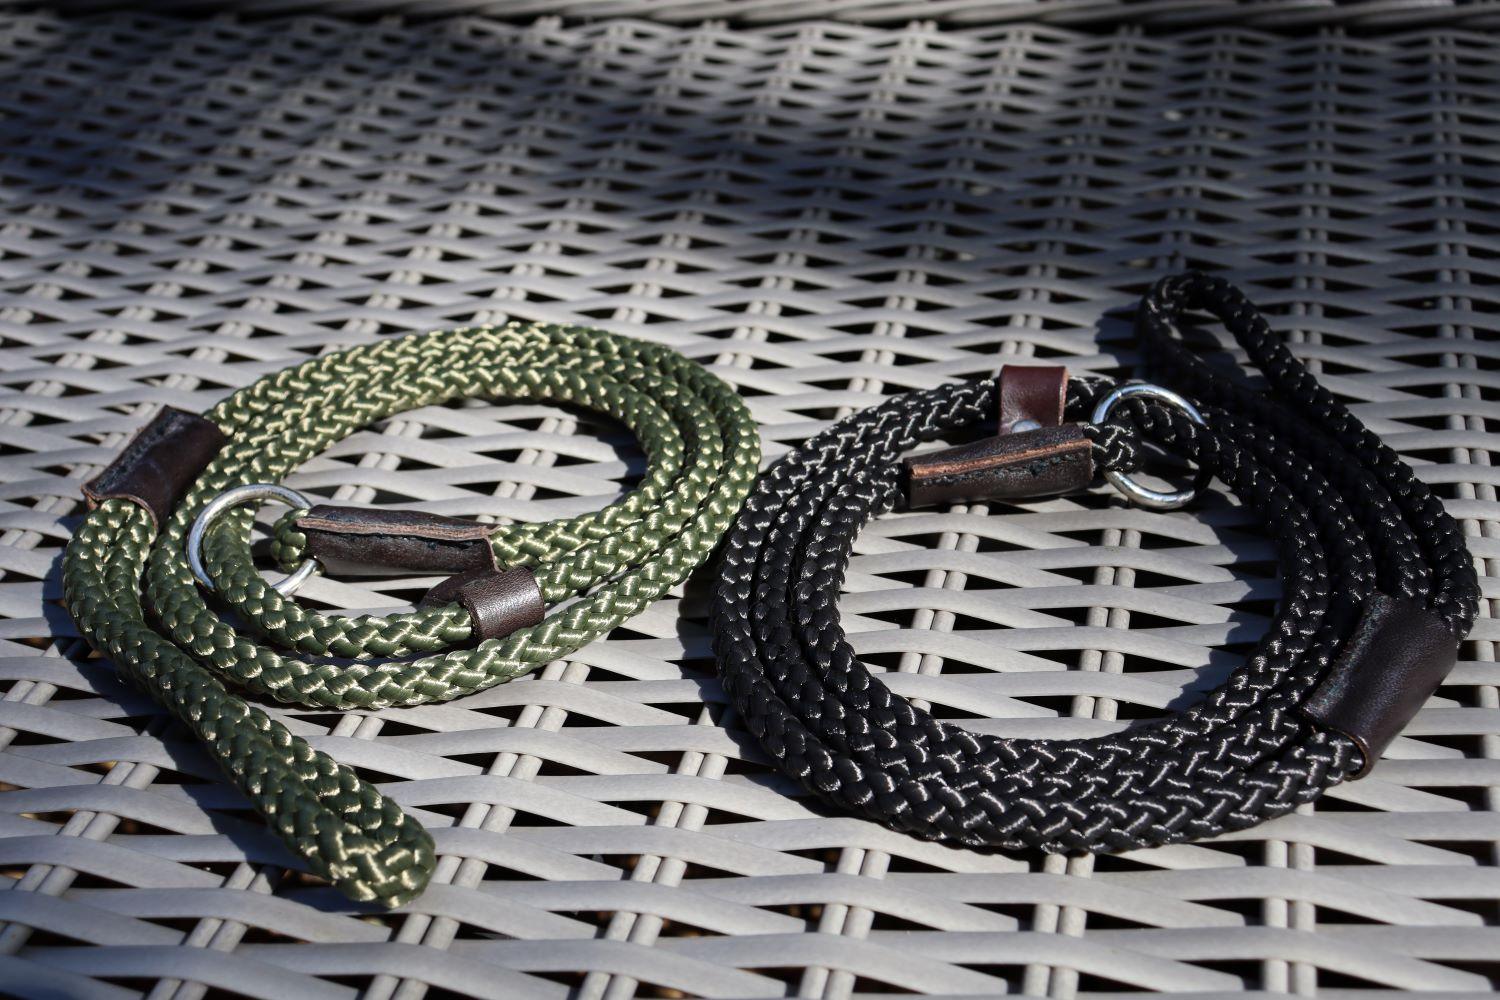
(702, 451)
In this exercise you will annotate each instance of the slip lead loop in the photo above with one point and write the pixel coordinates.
(210, 659)
(1340, 667)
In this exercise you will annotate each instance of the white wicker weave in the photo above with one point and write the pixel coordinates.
(825, 213)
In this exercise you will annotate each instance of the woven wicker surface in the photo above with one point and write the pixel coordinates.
(825, 214)
(1360, 15)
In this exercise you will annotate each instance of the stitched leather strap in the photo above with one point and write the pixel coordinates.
(1035, 463)
(362, 540)
(1032, 456)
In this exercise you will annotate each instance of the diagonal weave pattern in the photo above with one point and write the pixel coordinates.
(1376, 15)
(825, 214)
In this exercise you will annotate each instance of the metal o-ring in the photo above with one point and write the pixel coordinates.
(233, 498)
(1134, 491)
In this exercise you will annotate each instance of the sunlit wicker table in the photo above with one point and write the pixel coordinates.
(825, 212)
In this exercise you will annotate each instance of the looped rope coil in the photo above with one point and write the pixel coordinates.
(133, 596)
(1351, 521)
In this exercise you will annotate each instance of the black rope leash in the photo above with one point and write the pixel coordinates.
(1378, 589)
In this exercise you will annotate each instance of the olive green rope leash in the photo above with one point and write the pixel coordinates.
(703, 452)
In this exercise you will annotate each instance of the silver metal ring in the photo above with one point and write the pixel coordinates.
(248, 493)
(1134, 491)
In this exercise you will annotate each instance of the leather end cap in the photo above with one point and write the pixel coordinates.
(158, 465)
(1019, 466)
(498, 602)
(1390, 666)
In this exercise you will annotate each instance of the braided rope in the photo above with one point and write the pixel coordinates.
(702, 449)
(1348, 516)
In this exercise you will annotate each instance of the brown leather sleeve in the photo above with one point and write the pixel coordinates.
(158, 465)
(1016, 466)
(1391, 665)
(498, 603)
(1032, 396)
(362, 540)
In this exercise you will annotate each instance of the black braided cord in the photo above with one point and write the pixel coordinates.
(1349, 519)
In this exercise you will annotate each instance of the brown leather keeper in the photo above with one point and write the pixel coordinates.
(159, 464)
(1016, 466)
(498, 602)
(1034, 393)
(361, 540)
(1391, 665)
